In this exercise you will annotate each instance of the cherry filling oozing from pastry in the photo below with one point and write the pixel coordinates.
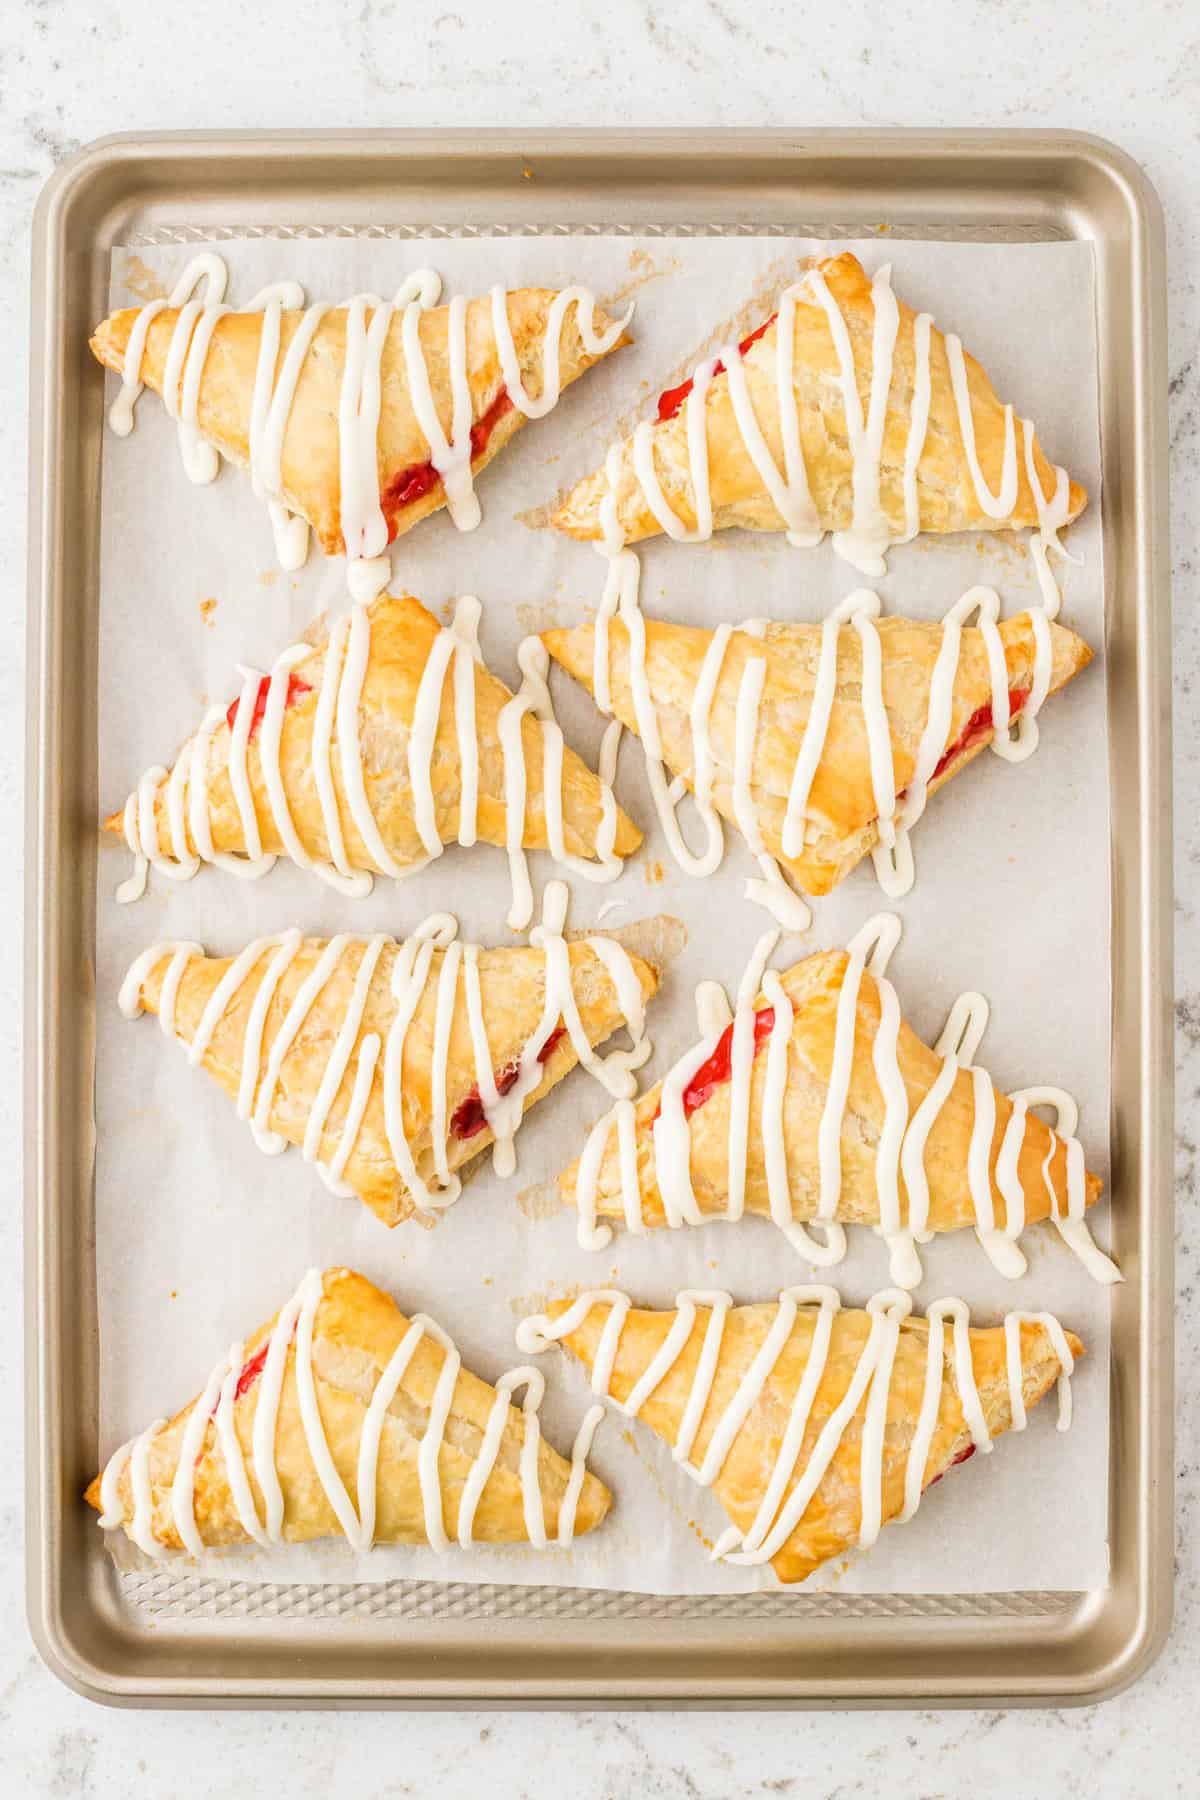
(252, 1368)
(976, 728)
(717, 1069)
(414, 483)
(671, 399)
(296, 689)
(469, 1116)
(963, 1456)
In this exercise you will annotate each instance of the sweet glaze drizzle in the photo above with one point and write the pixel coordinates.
(366, 531)
(864, 545)
(1011, 717)
(899, 1153)
(869, 1388)
(412, 968)
(870, 533)
(224, 1387)
(258, 713)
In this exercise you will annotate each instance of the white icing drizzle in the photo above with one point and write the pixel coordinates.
(208, 268)
(454, 649)
(697, 441)
(531, 1380)
(896, 813)
(899, 1151)
(1000, 504)
(141, 1529)
(595, 343)
(112, 1513)
(877, 939)
(959, 1314)
(1072, 1225)
(186, 355)
(1052, 514)
(621, 590)
(870, 533)
(1012, 1337)
(770, 889)
(271, 405)
(918, 424)
(741, 1068)
(296, 1324)
(868, 1391)
(580, 1451)
(410, 974)
(364, 527)
(812, 744)
(956, 1046)
(824, 1254)
(863, 545)
(368, 319)
(533, 696)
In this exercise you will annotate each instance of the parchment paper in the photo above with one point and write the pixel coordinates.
(200, 1237)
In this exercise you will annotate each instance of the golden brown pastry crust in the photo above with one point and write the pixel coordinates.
(402, 636)
(832, 1520)
(841, 807)
(356, 1330)
(512, 990)
(310, 462)
(946, 495)
(813, 987)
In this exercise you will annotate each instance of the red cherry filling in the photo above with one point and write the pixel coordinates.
(963, 1456)
(671, 399)
(414, 483)
(252, 1370)
(469, 1116)
(977, 727)
(295, 689)
(718, 1068)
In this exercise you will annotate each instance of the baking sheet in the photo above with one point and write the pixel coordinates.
(199, 1236)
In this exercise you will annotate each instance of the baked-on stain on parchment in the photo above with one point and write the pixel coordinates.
(521, 1306)
(642, 268)
(541, 1201)
(539, 615)
(142, 282)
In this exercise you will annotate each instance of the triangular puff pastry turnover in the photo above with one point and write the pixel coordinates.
(816, 1103)
(392, 1065)
(843, 411)
(821, 743)
(358, 419)
(342, 1418)
(370, 750)
(814, 1424)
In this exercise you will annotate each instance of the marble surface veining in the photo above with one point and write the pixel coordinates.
(70, 72)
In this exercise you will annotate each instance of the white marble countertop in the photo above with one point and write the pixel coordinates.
(1132, 74)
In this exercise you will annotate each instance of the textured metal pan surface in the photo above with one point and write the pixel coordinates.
(161, 1638)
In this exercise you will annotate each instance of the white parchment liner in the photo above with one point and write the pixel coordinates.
(200, 1237)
